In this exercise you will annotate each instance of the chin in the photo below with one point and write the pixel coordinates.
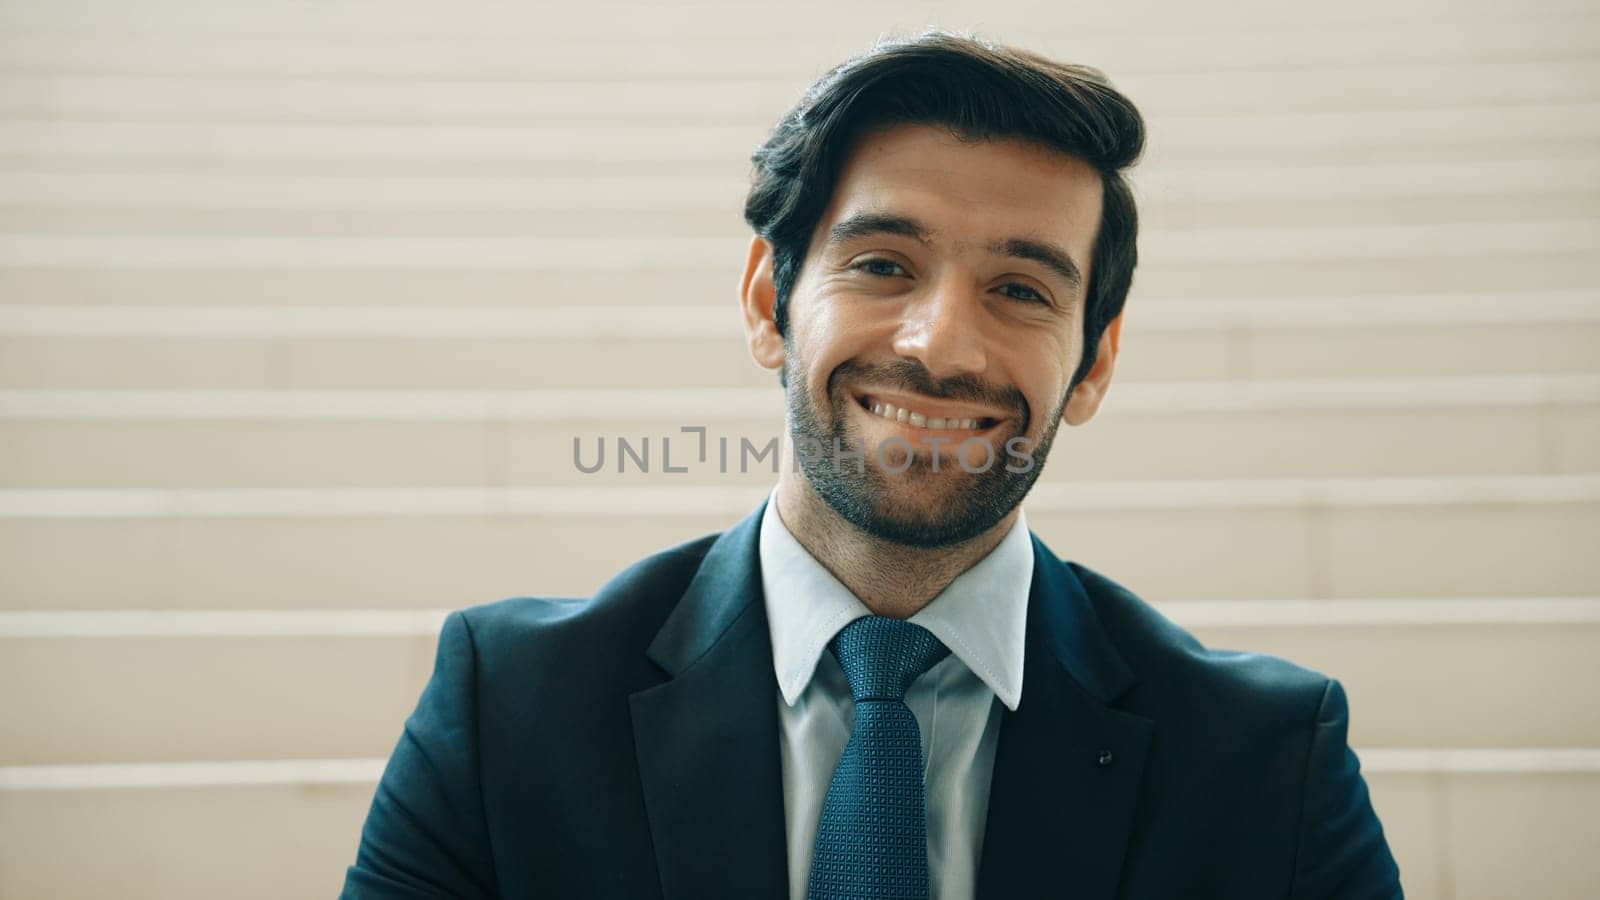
(915, 509)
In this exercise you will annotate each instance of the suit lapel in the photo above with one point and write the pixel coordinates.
(707, 739)
(1068, 765)
(707, 744)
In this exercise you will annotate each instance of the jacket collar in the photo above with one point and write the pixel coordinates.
(1066, 773)
(707, 739)
(1068, 767)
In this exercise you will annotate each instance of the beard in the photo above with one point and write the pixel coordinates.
(975, 502)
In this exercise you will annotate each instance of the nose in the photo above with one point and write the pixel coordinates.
(942, 328)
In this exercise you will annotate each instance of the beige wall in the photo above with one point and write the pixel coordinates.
(302, 304)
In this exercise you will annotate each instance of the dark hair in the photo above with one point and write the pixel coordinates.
(979, 91)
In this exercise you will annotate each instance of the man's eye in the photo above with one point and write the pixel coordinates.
(884, 267)
(1022, 292)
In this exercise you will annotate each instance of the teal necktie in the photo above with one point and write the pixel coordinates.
(872, 840)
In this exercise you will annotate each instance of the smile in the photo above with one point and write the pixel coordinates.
(930, 418)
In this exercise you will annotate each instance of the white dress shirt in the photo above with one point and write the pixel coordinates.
(981, 617)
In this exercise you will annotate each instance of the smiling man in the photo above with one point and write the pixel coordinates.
(880, 684)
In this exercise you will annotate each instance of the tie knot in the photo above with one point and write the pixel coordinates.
(882, 656)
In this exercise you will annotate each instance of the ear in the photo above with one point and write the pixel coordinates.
(1086, 397)
(757, 296)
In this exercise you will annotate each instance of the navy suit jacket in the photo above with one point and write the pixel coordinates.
(627, 747)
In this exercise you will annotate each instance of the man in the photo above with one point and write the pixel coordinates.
(880, 684)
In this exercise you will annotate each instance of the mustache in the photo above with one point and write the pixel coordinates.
(913, 376)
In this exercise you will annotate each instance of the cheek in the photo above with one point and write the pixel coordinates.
(1043, 380)
(829, 330)
(828, 338)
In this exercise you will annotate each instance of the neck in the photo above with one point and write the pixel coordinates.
(890, 579)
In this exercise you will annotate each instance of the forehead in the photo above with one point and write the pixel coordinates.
(969, 190)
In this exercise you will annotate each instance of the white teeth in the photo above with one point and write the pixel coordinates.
(918, 420)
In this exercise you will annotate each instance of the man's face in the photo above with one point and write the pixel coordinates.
(946, 279)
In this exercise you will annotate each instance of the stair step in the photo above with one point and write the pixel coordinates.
(1252, 43)
(296, 684)
(300, 439)
(1461, 832)
(78, 346)
(760, 99)
(426, 548)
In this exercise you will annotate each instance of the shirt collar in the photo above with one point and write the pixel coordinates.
(981, 616)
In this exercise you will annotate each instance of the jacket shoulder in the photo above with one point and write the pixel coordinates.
(623, 613)
(1267, 734)
(1175, 669)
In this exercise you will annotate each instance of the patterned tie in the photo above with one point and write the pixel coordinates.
(872, 841)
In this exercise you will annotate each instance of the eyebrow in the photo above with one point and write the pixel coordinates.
(864, 224)
(1044, 253)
